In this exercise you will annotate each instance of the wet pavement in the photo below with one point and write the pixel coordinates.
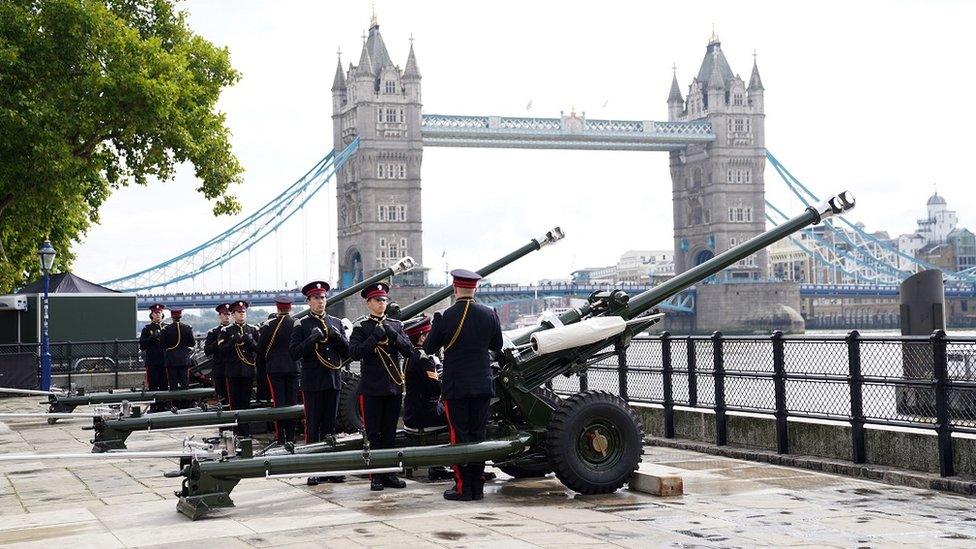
(727, 503)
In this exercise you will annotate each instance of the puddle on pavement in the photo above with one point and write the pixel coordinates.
(543, 493)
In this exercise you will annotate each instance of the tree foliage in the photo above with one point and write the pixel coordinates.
(94, 95)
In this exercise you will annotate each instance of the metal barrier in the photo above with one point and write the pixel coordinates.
(102, 364)
(919, 382)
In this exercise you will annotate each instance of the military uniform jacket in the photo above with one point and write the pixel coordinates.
(178, 344)
(237, 345)
(151, 344)
(423, 390)
(275, 336)
(379, 356)
(466, 331)
(320, 360)
(210, 349)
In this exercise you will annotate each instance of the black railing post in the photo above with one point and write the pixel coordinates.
(115, 361)
(942, 426)
(779, 389)
(666, 382)
(692, 375)
(622, 372)
(67, 357)
(721, 436)
(856, 382)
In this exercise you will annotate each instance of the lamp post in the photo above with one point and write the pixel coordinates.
(46, 254)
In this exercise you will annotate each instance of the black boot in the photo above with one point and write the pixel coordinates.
(392, 481)
(376, 484)
(453, 495)
(312, 481)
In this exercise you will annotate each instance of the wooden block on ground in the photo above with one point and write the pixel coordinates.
(656, 482)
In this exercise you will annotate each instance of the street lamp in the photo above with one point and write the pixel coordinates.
(46, 254)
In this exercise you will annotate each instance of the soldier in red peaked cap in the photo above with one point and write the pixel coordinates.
(466, 331)
(379, 344)
(210, 349)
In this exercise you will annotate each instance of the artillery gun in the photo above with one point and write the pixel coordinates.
(591, 440)
(111, 433)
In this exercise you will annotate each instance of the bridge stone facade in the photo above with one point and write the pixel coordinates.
(718, 188)
(379, 206)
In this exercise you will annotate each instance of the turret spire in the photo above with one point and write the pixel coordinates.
(675, 95)
(755, 83)
(411, 70)
(339, 82)
(365, 66)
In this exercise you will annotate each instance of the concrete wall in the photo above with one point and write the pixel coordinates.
(915, 451)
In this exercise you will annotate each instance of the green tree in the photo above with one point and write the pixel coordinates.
(95, 95)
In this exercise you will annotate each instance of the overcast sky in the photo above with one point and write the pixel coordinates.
(875, 97)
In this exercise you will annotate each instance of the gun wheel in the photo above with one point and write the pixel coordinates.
(594, 442)
(348, 419)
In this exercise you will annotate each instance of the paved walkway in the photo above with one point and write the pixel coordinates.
(727, 503)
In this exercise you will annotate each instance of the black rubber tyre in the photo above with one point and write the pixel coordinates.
(348, 420)
(594, 442)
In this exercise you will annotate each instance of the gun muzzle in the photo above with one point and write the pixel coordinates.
(554, 235)
(405, 264)
(836, 205)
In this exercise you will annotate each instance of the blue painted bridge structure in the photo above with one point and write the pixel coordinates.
(509, 293)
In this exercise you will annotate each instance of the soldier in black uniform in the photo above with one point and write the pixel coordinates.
(422, 406)
(210, 349)
(281, 371)
(466, 331)
(237, 344)
(178, 345)
(378, 343)
(320, 343)
(151, 344)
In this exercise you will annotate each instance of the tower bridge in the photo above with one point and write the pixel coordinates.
(714, 135)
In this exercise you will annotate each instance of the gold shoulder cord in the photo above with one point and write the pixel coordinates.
(177, 344)
(393, 368)
(322, 359)
(457, 332)
(237, 349)
(274, 335)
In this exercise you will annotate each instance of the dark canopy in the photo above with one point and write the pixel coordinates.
(66, 283)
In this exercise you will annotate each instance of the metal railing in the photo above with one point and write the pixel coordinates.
(106, 364)
(916, 382)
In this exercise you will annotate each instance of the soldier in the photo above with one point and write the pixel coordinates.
(237, 344)
(320, 343)
(378, 343)
(151, 344)
(466, 331)
(281, 371)
(178, 344)
(210, 349)
(422, 408)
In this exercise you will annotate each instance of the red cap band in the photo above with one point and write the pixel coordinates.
(378, 292)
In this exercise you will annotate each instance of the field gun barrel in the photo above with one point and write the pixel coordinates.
(550, 237)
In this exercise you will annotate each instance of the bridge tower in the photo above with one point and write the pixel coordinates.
(718, 193)
(379, 216)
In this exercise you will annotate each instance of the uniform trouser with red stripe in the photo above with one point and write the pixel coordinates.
(239, 398)
(380, 417)
(178, 379)
(467, 419)
(321, 408)
(283, 389)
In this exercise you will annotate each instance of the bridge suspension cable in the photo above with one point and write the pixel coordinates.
(243, 235)
(878, 259)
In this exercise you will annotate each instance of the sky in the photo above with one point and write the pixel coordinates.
(872, 97)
